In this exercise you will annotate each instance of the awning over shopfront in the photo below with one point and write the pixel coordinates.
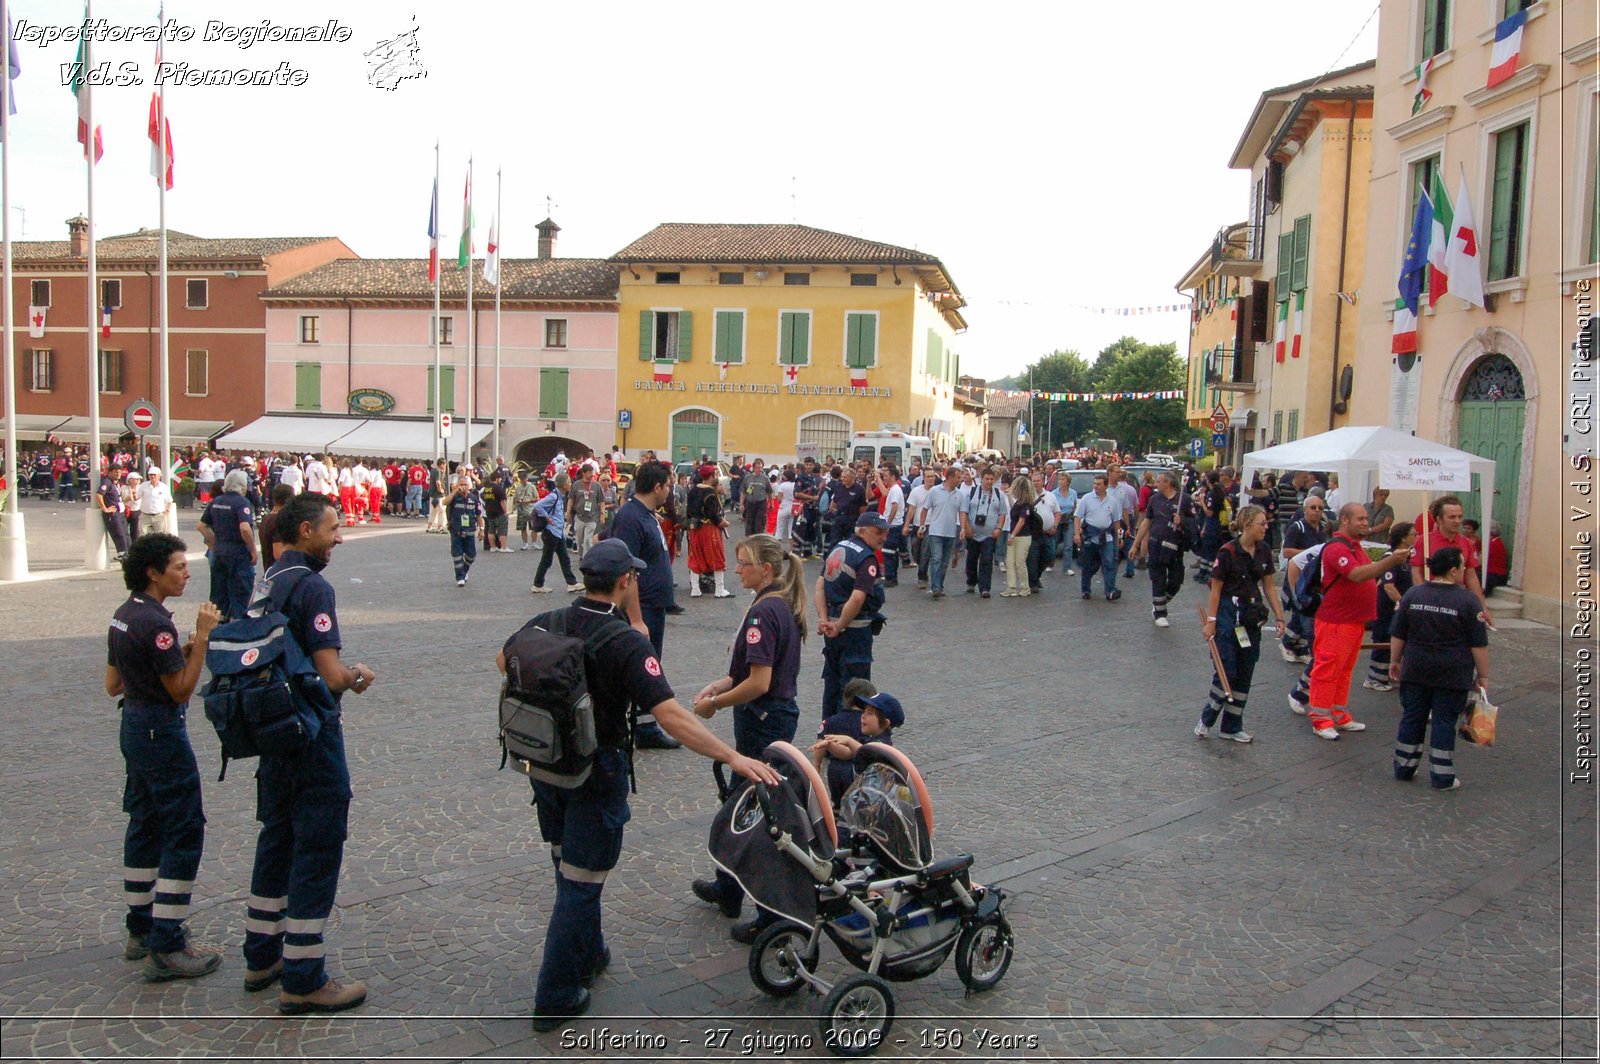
(187, 432)
(76, 429)
(1242, 417)
(384, 437)
(35, 426)
(287, 432)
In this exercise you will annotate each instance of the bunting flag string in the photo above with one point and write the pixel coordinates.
(1084, 397)
(1116, 312)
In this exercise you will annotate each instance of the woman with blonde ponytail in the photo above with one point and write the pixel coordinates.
(761, 680)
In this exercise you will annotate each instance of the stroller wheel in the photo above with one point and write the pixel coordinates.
(984, 953)
(776, 958)
(857, 1015)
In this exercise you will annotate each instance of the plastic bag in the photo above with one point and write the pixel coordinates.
(1477, 723)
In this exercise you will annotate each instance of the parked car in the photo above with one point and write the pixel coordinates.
(724, 477)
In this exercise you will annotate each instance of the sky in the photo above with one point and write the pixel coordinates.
(1055, 157)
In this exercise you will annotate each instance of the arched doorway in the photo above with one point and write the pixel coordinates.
(1490, 420)
(695, 432)
(537, 451)
(830, 432)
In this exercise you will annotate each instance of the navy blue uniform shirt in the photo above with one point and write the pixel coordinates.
(769, 636)
(313, 620)
(637, 527)
(225, 514)
(142, 645)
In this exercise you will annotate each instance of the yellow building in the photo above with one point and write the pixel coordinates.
(1504, 380)
(773, 340)
(1213, 285)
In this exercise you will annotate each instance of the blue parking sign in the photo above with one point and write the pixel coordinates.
(1196, 448)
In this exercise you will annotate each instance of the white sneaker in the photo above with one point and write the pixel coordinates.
(1288, 655)
(1296, 705)
(1072, 572)
(571, 588)
(1377, 685)
(1353, 725)
(723, 592)
(1239, 736)
(1162, 622)
(1201, 731)
(461, 583)
(525, 546)
(1327, 733)
(537, 590)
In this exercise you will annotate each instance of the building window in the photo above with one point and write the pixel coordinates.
(308, 385)
(731, 277)
(860, 339)
(41, 370)
(1285, 266)
(728, 339)
(111, 371)
(794, 338)
(830, 432)
(1434, 32)
(310, 328)
(1594, 209)
(667, 277)
(197, 372)
(197, 293)
(552, 392)
(665, 335)
(1301, 263)
(1277, 427)
(447, 388)
(39, 293)
(933, 361)
(1513, 6)
(447, 329)
(111, 294)
(1508, 202)
(1294, 426)
(555, 332)
(863, 280)
(800, 279)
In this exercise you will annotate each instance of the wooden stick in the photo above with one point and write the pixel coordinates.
(1216, 655)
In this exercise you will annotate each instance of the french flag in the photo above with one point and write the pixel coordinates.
(433, 234)
(1507, 48)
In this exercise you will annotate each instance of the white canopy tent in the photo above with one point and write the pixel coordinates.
(287, 432)
(1355, 452)
(393, 438)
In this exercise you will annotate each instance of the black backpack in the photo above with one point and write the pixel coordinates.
(546, 717)
(265, 696)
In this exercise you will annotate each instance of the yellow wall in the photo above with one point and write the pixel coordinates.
(1215, 326)
(759, 412)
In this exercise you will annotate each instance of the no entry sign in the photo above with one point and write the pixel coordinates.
(141, 417)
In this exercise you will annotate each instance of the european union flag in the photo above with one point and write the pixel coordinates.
(1413, 276)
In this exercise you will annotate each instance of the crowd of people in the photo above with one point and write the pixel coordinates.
(1419, 611)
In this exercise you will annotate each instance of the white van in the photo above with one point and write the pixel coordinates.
(897, 447)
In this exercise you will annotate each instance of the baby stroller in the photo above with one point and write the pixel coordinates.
(868, 882)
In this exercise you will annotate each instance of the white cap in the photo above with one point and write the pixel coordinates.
(155, 471)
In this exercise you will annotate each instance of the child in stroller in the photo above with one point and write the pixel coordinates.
(869, 716)
(868, 881)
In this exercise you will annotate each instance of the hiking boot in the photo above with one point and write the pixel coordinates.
(745, 931)
(255, 981)
(332, 996)
(709, 890)
(134, 949)
(186, 963)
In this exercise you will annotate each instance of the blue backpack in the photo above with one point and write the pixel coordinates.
(1308, 588)
(265, 696)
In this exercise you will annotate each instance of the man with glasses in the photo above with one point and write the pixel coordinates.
(1307, 531)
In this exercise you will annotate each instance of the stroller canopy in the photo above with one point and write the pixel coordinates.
(889, 804)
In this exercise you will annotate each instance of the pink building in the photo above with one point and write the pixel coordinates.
(340, 333)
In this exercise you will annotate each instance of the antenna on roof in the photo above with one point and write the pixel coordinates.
(793, 210)
(549, 207)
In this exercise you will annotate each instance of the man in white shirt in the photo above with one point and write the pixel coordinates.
(155, 503)
(1125, 490)
(291, 476)
(1042, 551)
(783, 493)
(939, 523)
(894, 512)
(207, 473)
(561, 461)
(1098, 536)
(319, 481)
(919, 545)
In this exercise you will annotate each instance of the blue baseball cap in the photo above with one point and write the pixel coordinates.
(871, 519)
(888, 706)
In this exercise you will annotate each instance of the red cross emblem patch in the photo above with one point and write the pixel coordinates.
(322, 622)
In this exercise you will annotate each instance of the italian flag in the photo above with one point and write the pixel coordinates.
(464, 255)
(80, 88)
(1299, 322)
(858, 377)
(1439, 242)
(1424, 94)
(1279, 349)
(663, 370)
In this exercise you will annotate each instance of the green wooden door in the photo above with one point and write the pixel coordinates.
(1494, 430)
(694, 432)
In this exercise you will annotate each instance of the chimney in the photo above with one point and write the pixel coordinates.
(78, 236)
(547, 238)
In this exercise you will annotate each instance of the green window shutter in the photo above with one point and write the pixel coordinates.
(685, 335)
(955, 368)
(932, 361)
(308, 386)
(447, 386)
(552, 392)
(1302, 253)
(1277, 426)
(794, 332)
(802, 339)
(1505, 204)
(430, 390)
(852, 340)
(1285, 265)
(647, 336)
(729, 337)
(866, 338)
(785, 339)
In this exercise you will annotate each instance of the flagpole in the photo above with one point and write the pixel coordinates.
(472, 385)
(13, 539)
(170, 520)
(497, 263)
(94, 553)
(439, 447)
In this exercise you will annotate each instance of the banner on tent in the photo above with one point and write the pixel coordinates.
(1431, 472)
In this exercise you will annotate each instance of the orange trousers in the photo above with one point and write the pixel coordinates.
(1336, 650)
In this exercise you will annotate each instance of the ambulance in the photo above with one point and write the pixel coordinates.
(897, 447)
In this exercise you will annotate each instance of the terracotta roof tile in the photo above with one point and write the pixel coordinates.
(145, 244)
(553, 280)
(740, 243)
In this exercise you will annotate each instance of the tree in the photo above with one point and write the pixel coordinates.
(1058, 422)
(1140, 424)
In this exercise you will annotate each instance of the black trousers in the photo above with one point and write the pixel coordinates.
(1166, 578)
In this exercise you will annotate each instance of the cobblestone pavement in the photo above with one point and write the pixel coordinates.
(1171, 897)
